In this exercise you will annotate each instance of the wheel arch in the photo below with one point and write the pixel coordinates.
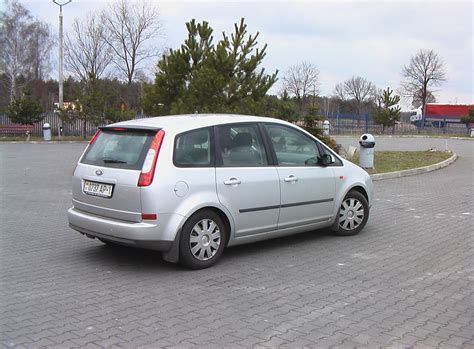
(360, 189)
(173, 254)
(222, 215)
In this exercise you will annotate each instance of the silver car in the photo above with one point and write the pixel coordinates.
(191, 185)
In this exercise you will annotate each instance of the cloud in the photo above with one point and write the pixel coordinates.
(373, 39)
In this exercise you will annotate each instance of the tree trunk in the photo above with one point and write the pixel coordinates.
(13, 89)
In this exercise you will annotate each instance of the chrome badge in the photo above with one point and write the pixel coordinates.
(99, 172)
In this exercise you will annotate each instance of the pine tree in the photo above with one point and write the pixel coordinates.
(203, 77)
(388, 113)
(25, 111)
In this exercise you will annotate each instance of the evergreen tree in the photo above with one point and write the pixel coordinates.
(388, 113)
(281, 108)
(96, 102)
(468, 119)
(203, 77)
(25, 111)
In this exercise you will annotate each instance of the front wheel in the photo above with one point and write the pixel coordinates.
(353, 214)
(202, 240)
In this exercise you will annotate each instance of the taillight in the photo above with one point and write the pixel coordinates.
(148, 169)
(94, 137)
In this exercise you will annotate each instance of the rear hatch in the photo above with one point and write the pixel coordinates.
(105, 182)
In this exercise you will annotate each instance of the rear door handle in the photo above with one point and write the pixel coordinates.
(232, 181)
(290, 179)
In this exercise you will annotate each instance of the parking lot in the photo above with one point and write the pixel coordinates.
(406, 280)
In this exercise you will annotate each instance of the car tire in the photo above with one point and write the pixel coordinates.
(352, 214)
(202, 240)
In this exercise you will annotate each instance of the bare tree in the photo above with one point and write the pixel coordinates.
(378, 97)
(424, 71)
(41, 42)
(417, 100)
(301, 81)
(130, 28)
(360, 90)
(330, 105)
(19, 41)
(87, 53)
(339, 91)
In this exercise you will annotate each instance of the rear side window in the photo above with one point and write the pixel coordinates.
(119, 149)
(193, 149)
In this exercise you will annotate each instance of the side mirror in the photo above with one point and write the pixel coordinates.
(327, 159)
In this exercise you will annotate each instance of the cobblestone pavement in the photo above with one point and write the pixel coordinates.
(407, 280)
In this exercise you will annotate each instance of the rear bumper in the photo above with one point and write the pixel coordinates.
(142, 235)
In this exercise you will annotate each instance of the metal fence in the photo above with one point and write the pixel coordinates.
(75, 128)
(340, 124)
(350, 124)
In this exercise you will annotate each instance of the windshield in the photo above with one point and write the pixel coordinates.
(119, 149)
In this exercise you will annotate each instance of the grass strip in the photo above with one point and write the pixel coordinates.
(391, 161)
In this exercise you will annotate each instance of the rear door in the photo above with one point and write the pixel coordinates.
(307, 188)
(247, 185)
(105, 181)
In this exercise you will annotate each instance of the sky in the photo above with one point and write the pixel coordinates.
(342, 38)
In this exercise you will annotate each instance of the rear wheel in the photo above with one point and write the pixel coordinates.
(202, 240)
(353, 214)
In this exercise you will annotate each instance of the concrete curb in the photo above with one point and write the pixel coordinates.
(431, 137)
(414, 171)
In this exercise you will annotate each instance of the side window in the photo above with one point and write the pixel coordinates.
(292, 147)
(241, 145)
(193, 149)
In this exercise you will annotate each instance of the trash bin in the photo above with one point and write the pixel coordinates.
(47, 132)
(367, 144)
(326, 128)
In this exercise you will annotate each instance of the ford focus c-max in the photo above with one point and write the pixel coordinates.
(192, 185)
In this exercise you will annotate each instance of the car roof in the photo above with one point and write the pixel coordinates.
(185, 122)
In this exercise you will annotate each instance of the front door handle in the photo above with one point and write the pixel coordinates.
(232, 181)
(291, 179)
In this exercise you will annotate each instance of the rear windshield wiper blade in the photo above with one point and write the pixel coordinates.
(113, 161)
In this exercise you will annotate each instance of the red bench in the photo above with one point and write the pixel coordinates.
(15, 129)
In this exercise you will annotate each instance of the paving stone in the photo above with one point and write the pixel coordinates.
(405, 281)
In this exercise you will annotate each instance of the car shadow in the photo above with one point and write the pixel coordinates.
(292, 241)
(126, 258)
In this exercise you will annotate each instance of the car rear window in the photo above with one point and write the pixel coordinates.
(119, 149)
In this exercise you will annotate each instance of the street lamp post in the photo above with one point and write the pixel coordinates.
(61, 100)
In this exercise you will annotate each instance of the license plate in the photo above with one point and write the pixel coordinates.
(98, 189)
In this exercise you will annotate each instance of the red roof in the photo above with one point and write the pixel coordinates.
(449, 111)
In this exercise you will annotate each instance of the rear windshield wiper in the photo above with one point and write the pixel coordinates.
(113, 161)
